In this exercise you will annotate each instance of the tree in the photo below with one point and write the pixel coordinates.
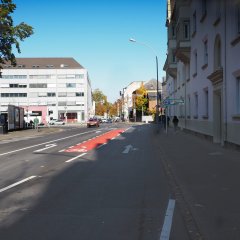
(141, 101)
(114, 109)
(10, 35)
(100, 99)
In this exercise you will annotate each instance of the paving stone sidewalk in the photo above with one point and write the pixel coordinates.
(205, 180)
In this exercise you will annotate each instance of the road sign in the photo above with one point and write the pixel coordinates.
(172, 101)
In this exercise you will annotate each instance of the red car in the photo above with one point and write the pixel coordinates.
(93, 122)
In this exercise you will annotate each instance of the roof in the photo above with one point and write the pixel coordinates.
(151, 84)
(45, 63)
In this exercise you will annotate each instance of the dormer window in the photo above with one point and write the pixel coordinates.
(35, 66)
(49, 66)
(63, 65)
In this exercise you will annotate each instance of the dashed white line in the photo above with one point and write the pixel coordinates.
(17, 183)
(72, 159)
(166, 229)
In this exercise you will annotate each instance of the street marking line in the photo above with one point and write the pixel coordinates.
(46, 147)
(17, 183)
(166, 229)
(62, 150)
(40, 144)
(72, 159)
(101, 145)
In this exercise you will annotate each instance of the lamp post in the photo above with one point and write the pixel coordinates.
(144, 44)
(123, 103)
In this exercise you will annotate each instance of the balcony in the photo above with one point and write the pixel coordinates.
(183, 48)
(170, 66)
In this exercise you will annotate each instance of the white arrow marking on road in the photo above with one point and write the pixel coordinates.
(46, 147)
(98, 131)
(128, 148)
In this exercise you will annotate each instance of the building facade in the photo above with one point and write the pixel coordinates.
(61, 86)
(202, 67)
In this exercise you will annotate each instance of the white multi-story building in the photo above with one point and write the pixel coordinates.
(59, 87)
(128, 100)
(203, 67)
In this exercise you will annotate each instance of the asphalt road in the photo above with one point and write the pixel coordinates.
(69, 185)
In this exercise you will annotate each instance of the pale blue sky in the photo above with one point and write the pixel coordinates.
(96, 33)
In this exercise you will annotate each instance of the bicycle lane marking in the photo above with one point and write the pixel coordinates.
(96, 142)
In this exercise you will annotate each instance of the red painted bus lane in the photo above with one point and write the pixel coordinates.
(95, 142)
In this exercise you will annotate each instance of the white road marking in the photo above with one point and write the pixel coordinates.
(17, 183)
(166, 229)
(46, 147)
(40, 144)
(62, 150)
(72, 159)
(128, 148)
(101, 145)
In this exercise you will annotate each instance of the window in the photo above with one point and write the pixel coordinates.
(188, 106)
(14, 76)
(174, 60)
(13, 95)
(194, 22)
(195, 63)
(196, 105)
(62, 94)
(71, 103)
(79, 94)
(173, 31)
(40, 76)
(206, 103)
(204, 8)
(238, 95)
(37, 85)
(70, 85)
(51, 94)
(218, 9)
(71, 94)
(62, 103)
(42, 94)
(238, 17)
(217, 53)
(205, 46)
(81, 76)
(186, 25)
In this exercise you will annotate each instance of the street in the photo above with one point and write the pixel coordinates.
(119, 181)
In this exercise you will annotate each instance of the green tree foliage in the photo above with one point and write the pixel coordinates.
(141, 100)
(100, 99)
(10, 35)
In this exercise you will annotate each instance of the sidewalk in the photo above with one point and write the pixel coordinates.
(28, 132)
(205, 181)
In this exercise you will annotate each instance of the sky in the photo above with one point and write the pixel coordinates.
(96, 33)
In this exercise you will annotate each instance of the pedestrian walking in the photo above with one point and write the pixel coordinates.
(36, 122)
(175, 123)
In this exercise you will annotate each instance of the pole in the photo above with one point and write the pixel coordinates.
(157, 106)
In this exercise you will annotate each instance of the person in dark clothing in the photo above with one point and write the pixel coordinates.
(175, 122)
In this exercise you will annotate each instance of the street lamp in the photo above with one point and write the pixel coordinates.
(123, 102)
(144, 44)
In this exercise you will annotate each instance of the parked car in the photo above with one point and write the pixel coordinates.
(104, 120)
(56, 122)
(93, 122)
